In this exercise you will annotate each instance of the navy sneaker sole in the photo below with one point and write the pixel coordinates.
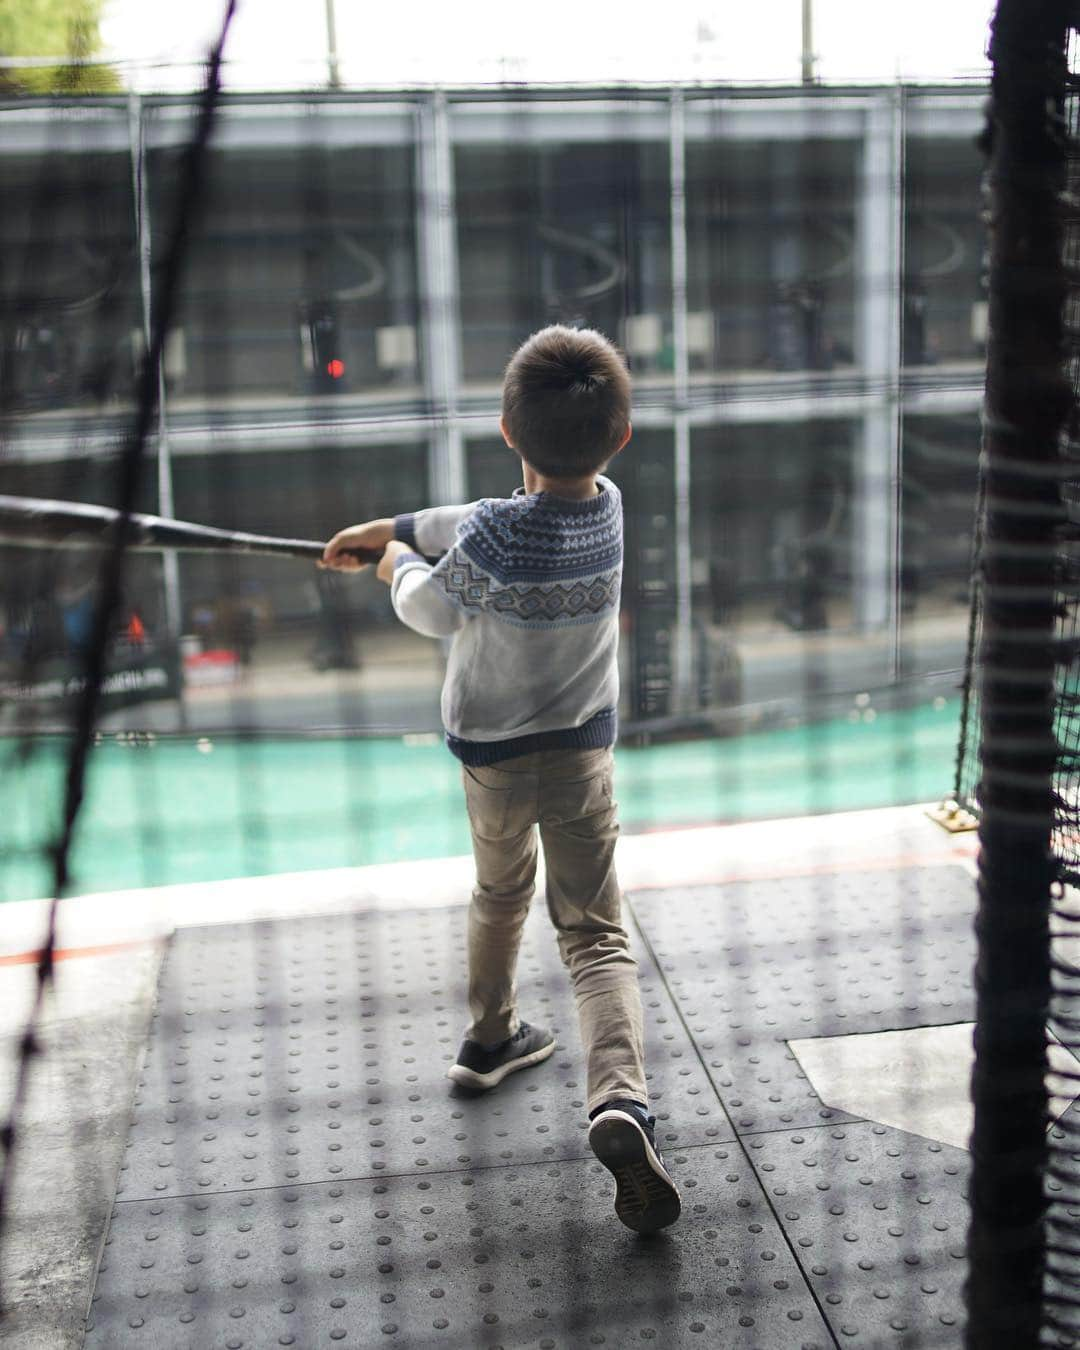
(646, 1198)
(481, 1069)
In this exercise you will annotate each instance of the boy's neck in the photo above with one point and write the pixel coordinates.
(573, 489)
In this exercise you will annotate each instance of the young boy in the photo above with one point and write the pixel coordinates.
(529, 588)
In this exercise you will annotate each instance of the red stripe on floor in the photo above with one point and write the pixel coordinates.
(72, 953)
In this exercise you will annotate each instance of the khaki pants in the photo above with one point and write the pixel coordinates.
(569, 794)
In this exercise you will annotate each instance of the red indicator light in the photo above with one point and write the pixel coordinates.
(335, 369)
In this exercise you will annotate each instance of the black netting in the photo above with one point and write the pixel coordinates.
(30, 331)
(1063, 1181)
(798, 282)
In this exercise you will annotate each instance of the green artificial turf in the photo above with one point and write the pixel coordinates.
(188, 810)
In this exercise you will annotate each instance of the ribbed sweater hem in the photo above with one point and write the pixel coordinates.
(595, 734)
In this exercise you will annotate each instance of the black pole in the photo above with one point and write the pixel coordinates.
(1027, 400)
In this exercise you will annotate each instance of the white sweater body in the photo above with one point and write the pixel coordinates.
(528, 589)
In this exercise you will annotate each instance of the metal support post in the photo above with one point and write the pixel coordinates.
(169, 561)
(808, 41)
(440, 311)
(879, 206)
(331, 46)
(683, 680)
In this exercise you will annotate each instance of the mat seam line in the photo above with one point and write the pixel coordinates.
(383, 1176)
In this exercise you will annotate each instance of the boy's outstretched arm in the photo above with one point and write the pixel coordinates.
(429, 532)
(418, 603)
(408, 542)
(374, 534)
(433, 530)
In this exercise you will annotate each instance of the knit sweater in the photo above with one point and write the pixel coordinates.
(528, 588)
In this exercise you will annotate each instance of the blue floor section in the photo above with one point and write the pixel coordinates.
(301, 1172)
(188, 809)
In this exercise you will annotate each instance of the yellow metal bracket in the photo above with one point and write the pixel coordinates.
(951, 816)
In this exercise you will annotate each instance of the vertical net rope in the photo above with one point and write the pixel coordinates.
(129, 469)
(1026, 411)
(1063, 1173)
(1060, 1317)
(966, 776)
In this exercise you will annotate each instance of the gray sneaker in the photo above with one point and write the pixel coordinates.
(482, 1069)
(622, 1135)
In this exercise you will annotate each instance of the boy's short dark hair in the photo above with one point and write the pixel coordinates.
(566, 401)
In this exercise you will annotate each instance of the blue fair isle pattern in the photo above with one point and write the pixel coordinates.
(530, 606)
(540, 538)
(536, 561)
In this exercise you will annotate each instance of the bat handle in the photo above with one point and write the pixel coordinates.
(364, 555)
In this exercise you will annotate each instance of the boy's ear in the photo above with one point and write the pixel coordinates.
(625, 439)
(505, 434)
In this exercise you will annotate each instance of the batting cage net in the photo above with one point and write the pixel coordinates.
(963, 803)
(1067, 691)
(1063, 1182)
(232, 324)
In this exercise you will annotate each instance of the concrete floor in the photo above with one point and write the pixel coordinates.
(74, 1125)
(72, 1132)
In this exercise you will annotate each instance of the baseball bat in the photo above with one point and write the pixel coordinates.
(38, 522)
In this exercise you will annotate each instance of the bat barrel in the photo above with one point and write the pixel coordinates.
(37, 522)
(209, 539)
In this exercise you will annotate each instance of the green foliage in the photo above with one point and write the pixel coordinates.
(64, 28)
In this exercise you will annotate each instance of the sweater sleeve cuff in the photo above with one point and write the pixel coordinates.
(408, 558)
(405, 529)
